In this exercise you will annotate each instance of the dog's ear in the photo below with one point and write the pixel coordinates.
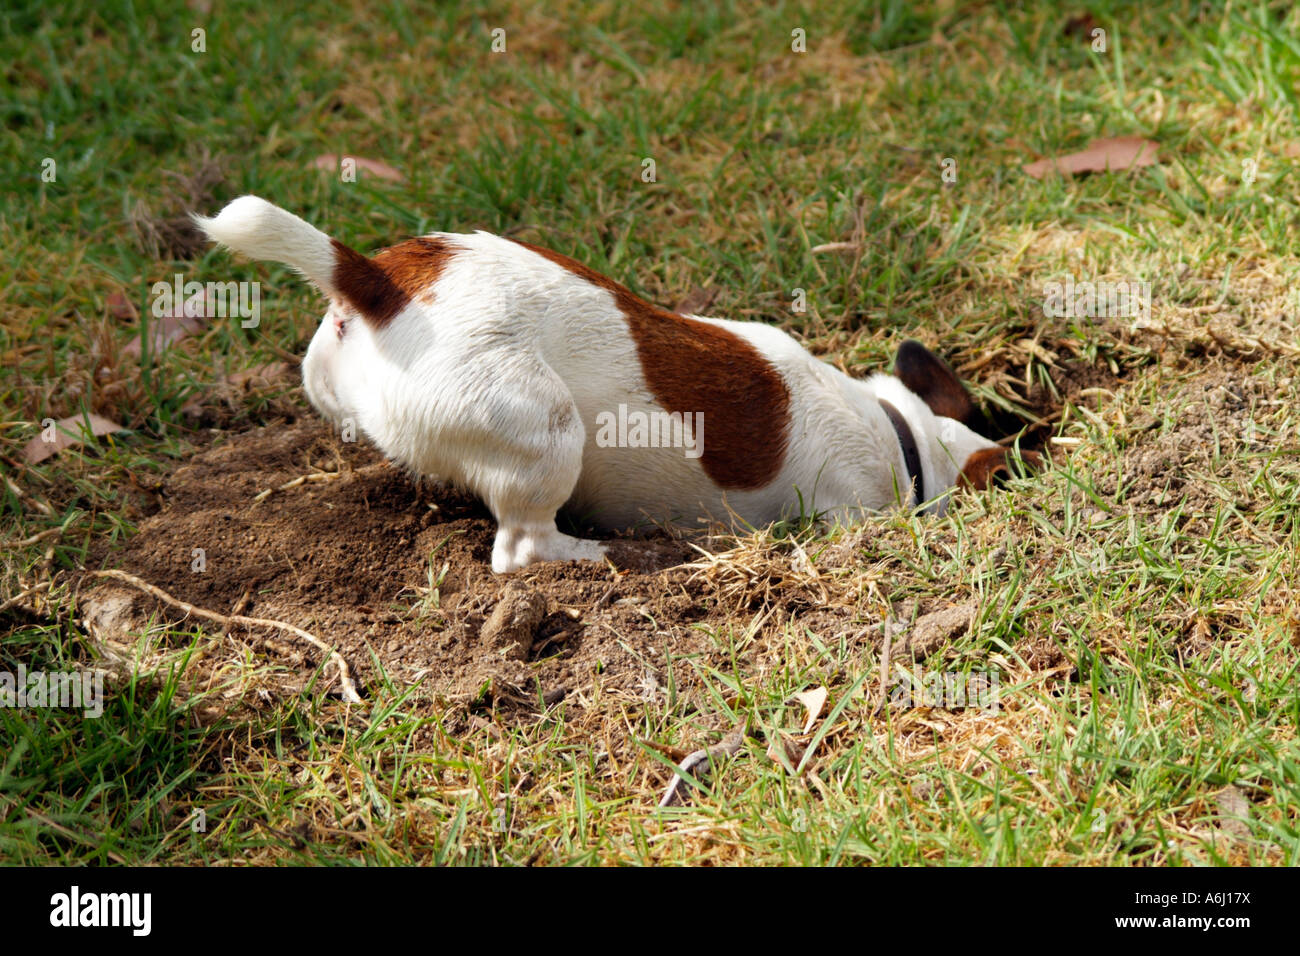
(985, 465)
(930, 377)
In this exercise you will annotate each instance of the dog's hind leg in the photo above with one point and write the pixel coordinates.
(532, 469)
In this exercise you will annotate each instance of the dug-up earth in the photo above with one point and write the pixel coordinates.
(394, 573)
(288, 523)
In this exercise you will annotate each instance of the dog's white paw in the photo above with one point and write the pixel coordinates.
(518, 547)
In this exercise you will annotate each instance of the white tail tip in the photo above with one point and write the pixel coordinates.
(256, 228)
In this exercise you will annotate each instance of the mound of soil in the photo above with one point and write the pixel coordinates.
(1193, 438)
(393, 570)
(289, 523)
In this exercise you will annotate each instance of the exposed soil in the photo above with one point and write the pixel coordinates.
(393, 570)
(1193, 439)
(351, 558)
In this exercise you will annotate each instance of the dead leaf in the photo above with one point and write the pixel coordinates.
(120, 307)
(698, 300)
(189, 318)
(813, 700)
(67, 432)
(1101, 155)
(1234, 811)
(789, 754)
(1201, 631)
(330, 162)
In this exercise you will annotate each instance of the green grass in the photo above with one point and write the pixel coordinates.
(1173, 618)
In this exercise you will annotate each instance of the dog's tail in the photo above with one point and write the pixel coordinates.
(260, 230)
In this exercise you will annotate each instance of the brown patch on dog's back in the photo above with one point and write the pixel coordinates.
(365, 286)
(380, 287)
(416, 264)
(693, 366)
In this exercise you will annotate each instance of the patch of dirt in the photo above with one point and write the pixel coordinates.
(383, 567)
(287, 522)
(1210, 422)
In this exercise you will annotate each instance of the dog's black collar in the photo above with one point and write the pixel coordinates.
(911, 454)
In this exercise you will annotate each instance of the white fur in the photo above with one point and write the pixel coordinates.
(260, 230)
(494, 381)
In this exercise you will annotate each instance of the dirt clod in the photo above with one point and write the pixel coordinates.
(931, 631)
(514, 621)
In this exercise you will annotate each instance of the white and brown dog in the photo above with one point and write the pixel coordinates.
(539, 384)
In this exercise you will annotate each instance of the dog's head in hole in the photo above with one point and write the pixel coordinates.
(542, 385)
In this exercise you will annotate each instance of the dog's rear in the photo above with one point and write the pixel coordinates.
(447, 384)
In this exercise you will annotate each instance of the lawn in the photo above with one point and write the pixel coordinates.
(851, 172)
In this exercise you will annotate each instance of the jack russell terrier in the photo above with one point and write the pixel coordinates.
(539, 384)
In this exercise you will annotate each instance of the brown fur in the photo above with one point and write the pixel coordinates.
(692, 366)
(416, 264)
(380, 287)
(981, 467)
(931, 378)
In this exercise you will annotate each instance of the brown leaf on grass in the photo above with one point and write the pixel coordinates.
(65, 433)
(120, 307)
(330, 162)
(813, 701)
(1234, 811)
(184, 320)
(698, 300)
(1291, 150)
(1101, 155)
(786, 751)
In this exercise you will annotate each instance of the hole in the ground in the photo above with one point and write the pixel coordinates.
(1043, 403)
